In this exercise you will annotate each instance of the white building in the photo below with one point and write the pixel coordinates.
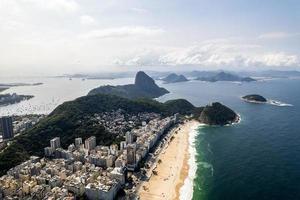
(78, 142)
(129, 137)
(90, 143)
(55, 143)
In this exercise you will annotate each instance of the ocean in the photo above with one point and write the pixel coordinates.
(53, 92)
(257, 159)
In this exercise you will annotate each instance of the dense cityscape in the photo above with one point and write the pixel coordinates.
(88, 170)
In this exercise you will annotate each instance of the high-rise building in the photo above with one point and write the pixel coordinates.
(55, 143)
(78, 142)
(122, 145)
(129, 137)
(48, 151)
(90, 143)
(131, 156)
(6, 127)
(113, 149)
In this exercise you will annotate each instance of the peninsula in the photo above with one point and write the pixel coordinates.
(3, 88)
(7, 85)
(6, 99)
(217, 114)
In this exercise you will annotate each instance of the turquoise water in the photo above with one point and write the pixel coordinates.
(256, 159)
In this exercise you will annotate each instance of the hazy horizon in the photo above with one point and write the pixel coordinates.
(41, 37)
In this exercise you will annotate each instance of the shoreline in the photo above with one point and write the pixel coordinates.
(174, 168)
(3, 89)
(187, 188)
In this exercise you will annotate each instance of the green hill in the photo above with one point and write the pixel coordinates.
(217, 114)
(66, 122)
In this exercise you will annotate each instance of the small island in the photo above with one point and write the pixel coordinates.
(174, 78)
(254, 98)
(6, 99)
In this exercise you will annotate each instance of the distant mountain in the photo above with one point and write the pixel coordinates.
(223, 76)
(174, 78)
(143, 87)
(217, 114)
(196, 73)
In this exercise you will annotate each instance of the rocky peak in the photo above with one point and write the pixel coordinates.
(143, 81)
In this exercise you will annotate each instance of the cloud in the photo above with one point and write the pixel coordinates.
(214, 54)
(87, 20)
(55, 5)
(143, 58)
(277, 35)
(121, 32)
(280, 59)
(139, 10)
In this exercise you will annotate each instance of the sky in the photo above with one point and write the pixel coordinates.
(86, 36)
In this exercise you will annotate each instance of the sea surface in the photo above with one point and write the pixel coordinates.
(53, 92)
(257, 159)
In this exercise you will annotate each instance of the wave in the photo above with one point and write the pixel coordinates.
(186, 191)
(278, 103)
(207, 165)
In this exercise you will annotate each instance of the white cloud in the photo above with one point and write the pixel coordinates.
(121, 32)
(215, 54)
(87, 20)
(139, 10)
(143, 58)
(56, 5)
(280, 59)
(277, 35)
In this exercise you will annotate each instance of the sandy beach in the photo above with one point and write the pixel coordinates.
(173, 168)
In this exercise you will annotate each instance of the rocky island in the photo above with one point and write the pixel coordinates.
(254, 98)
(174, 78)
(143, 87)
